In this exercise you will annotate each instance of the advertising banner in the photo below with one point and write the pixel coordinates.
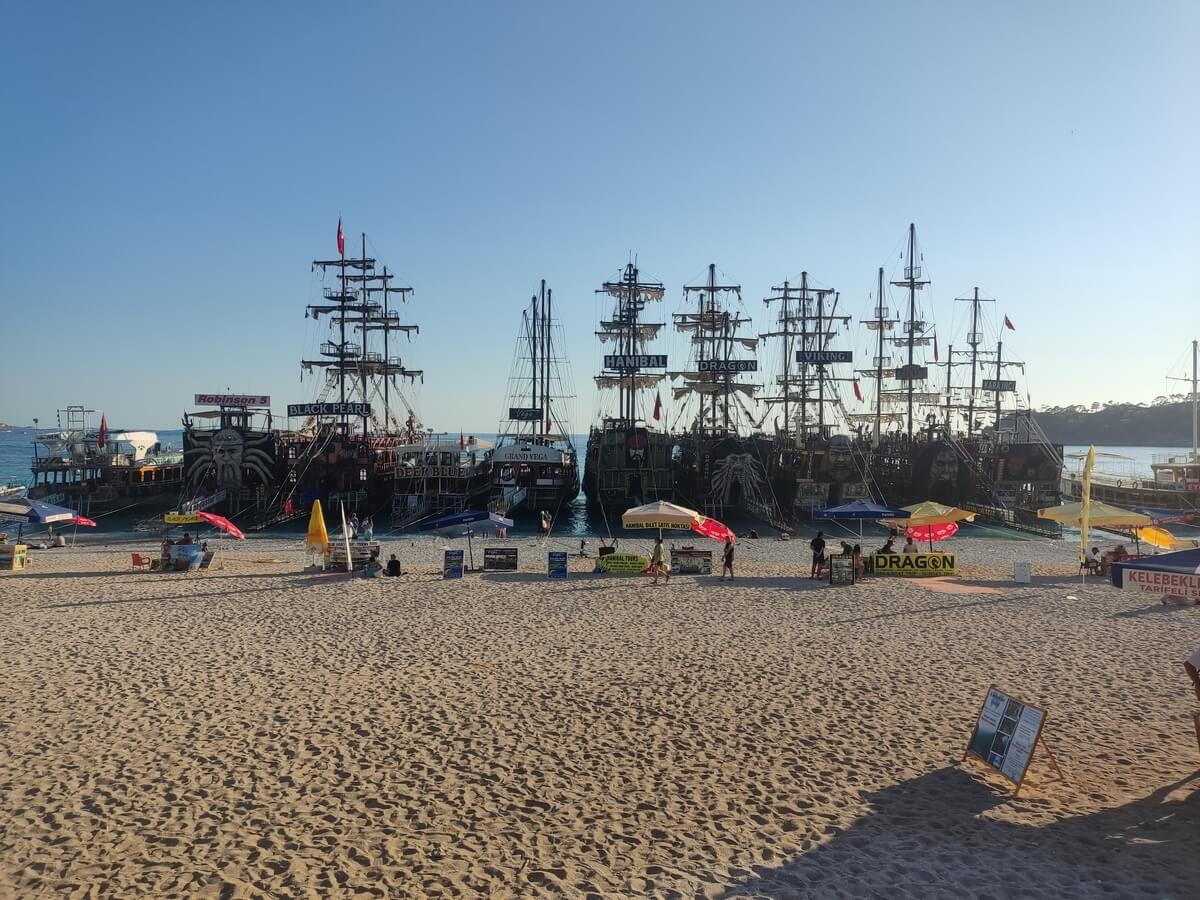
(623, 563)
(556, 564)
(913, 565)
(329, 409)
(824, 357)
(727, 365)
(689, 561)
(500, 559)
(452, 564)
(232, 400)
(635, 362)
(1005, 734)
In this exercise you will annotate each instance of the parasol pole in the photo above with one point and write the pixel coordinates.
(346, 539)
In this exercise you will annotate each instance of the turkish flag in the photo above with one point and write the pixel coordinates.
(657, 406)
(857, 391)
(341, 238)
(1008, 324)
(102, 437)
(462, 442)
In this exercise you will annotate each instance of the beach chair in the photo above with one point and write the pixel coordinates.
(141, 562)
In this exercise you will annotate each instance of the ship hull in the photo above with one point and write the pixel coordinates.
(627, 467)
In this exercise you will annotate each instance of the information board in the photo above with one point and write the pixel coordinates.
(1005, 734)
(913, 565)
(689, 561)
(841, 570)
(556, 564)
(452, 564)
(623, 562)
(499, 559)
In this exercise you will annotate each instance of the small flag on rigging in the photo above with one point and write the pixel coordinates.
(857, 391)
(1008, 324)
(102, 437)
(657, 406)
(462, 442)
(935, 347)
(341, 238)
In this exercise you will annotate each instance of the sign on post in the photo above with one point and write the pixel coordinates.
(1005, 734)
(500, 559)
(329, 409)
(452, 564)
(689, 561)
(912, 373)
(727, 365)
(824, 357)
(999, 385)
(635, 362)
(556, 564)
(913, 565)
(623, 563)
(841, 570)
(525, 413)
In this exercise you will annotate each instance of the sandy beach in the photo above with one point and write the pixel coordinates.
(260, 731)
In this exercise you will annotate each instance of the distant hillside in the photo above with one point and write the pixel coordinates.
(1167, 422)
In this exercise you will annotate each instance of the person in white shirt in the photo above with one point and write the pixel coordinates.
(910, 547)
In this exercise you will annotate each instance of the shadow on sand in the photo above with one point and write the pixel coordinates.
(928, 837)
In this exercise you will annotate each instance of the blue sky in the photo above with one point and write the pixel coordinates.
(171, 170)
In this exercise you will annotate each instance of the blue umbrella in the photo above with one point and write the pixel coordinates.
(860, 510)
(458, 524)
(33, 512)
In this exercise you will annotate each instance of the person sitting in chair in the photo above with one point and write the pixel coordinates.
(1091, 560)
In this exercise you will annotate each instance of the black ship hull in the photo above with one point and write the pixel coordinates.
(627, 467)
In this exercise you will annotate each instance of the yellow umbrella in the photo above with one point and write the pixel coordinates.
(930, 513)
(1162, 539)
(660, 515)
(1098, 514)
(318, 537)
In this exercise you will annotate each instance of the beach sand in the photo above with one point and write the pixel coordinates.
(262, 731)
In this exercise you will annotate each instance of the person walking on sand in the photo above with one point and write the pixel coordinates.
(817, 545)
(657, 567)
(727, 559)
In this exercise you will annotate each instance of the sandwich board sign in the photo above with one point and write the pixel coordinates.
(556, 564)
(1005, 735)
(690, 561)
(500, 559)
(452, 564)
(841, 570)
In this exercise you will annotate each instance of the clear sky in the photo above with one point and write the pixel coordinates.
(170, 171)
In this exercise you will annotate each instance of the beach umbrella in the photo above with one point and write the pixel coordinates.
(932, 533)
(861, 510)
(929, 517)
(711, 528)
(317, 539)
(1101, 514)
(660, 515)
(458, 524)
(1162, 539)
(34, 512)
(84, 521)
(222, 524)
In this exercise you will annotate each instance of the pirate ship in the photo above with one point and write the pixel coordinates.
(628, 462)
(719, 468)
(534, 465)
(925, 443)
(811, 464)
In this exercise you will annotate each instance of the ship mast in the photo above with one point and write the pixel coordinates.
(912, 281)
(349, 365)
(630, 335)
(714, 335)
(880, 323)
(784, 294)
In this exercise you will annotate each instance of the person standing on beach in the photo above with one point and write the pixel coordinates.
(817, 545)
(369, 528)
(353, 526)
(657, 567)
(727, 559)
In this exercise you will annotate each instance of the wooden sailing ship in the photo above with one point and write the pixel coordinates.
(534, 464)
(629, 453)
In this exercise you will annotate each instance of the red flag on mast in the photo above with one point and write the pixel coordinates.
(341, 238)
(462, 442)
(857, 391)
(1008, 324)
(935, 347)
(102, 437)
(657, 406)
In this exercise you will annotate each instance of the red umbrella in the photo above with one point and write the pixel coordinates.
(932, 533)
(82, 520)
(221, 523)
(711, 528)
